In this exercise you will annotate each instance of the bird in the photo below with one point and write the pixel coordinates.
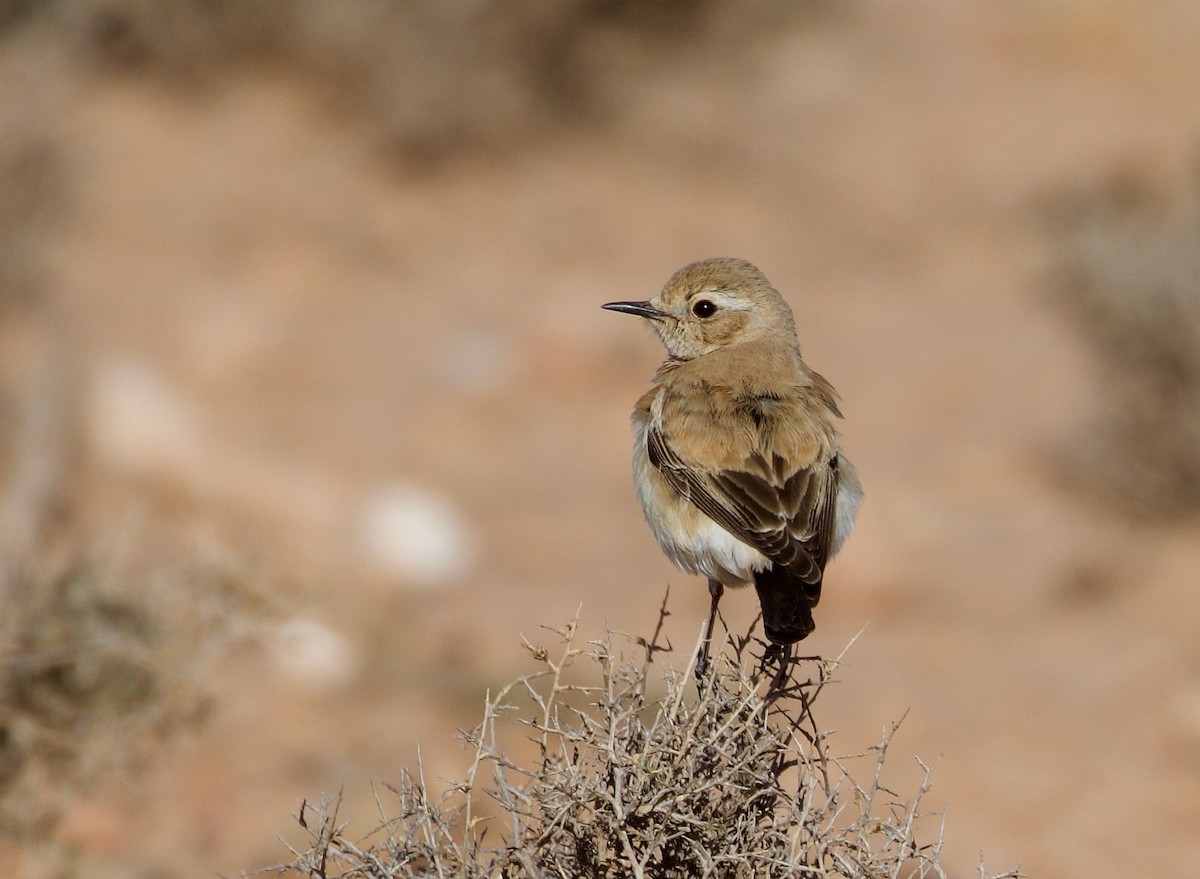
(737, 462)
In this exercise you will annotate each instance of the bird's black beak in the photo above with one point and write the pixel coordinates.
(641, 309)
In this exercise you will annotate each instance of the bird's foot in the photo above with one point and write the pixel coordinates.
(778, 655)
(702, 664)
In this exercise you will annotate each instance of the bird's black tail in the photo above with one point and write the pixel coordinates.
(787, 603)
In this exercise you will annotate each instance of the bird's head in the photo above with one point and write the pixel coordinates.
(714, 304)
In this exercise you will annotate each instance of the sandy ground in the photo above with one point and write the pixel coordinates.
(279, 335)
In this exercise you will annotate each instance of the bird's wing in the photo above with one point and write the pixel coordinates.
(784, 511)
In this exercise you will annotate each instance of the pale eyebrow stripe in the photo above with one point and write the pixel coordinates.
(724, 299)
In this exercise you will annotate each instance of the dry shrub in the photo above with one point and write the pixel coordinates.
(1129, 276)
(738, 780)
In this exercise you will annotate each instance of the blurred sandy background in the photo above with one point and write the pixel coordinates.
(308, 409)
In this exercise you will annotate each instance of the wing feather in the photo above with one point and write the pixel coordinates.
(787, 515)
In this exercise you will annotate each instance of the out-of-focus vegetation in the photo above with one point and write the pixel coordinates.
(1129, 276)
(433, 76)
(101, 667)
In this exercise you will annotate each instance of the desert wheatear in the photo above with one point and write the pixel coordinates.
(736, 459)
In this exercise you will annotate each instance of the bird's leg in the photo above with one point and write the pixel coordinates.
(783, 654)
(716, 590)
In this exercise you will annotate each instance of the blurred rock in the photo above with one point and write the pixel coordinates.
(313, 654)
(478, 360)
(415, 535)
(138, 422)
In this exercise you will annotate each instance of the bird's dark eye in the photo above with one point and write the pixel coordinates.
(704, 308)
